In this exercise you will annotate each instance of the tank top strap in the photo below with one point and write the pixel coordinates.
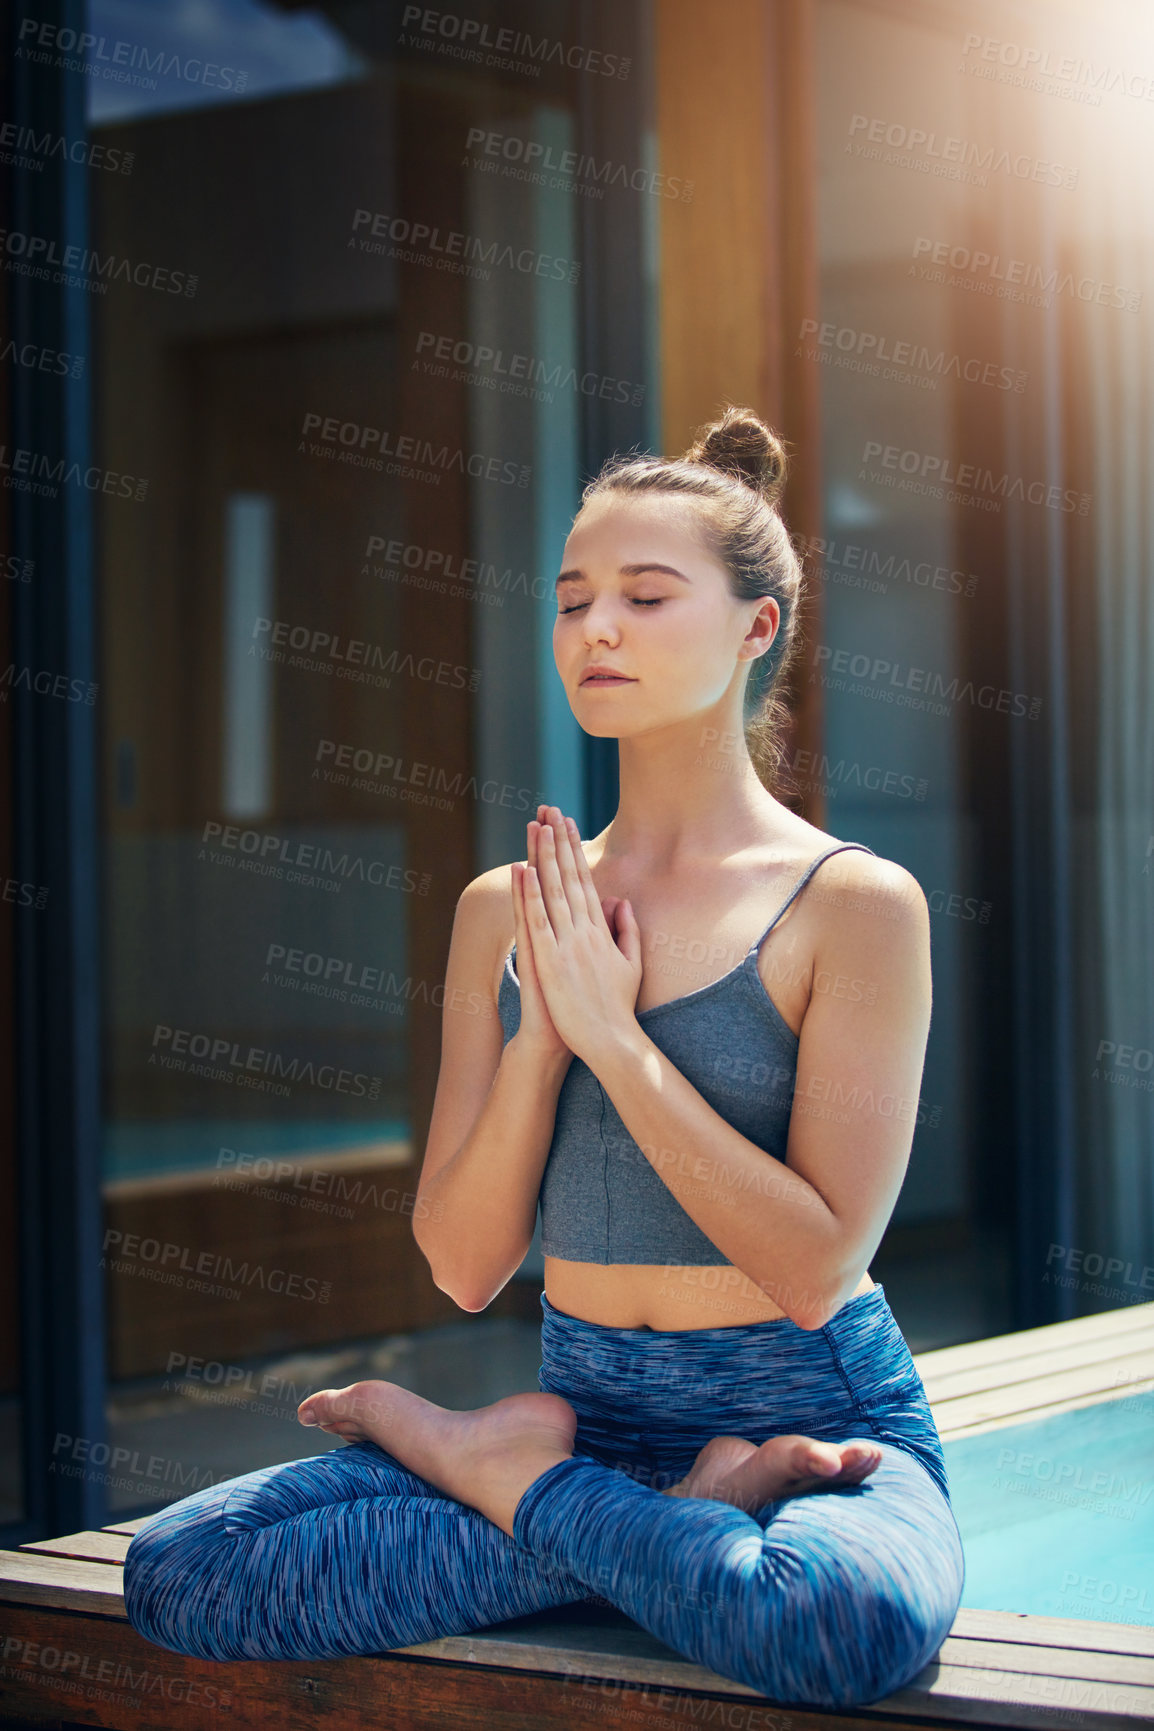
(803, 880)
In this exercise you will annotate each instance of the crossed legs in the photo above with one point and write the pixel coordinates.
(830, 1599)
(489, 1457)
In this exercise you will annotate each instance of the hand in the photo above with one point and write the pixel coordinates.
(587, 970)
(536, 1027)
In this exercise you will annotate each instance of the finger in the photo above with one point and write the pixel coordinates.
(628, 933)
(554, 898)
(526, 972)
(534, 828)
(566, 852)
(537, 827)
(541, 933)
(584, 875)
(520, 941)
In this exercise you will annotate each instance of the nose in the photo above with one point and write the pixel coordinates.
(600, 622)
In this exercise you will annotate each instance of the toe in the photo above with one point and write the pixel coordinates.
(309, 1411)
(860, 1459)
(325, 1408)
(820, 1460)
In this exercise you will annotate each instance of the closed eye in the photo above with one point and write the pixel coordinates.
(637, 602)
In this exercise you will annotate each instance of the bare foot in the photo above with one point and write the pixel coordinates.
(487, 1458)
(731, 1470)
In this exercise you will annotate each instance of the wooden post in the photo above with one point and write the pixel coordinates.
(739, 259)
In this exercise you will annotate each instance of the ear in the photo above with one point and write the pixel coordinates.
(760, 637)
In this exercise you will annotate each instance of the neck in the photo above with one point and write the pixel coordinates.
(688, 793)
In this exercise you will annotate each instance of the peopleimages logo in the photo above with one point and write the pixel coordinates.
(41, 257)
(27, 471)
(452, 249)
(435, 568)
(892, 680)
(118, 60)
(328, 650)
(15, 140)
(831, 777)
(926, 472)
(1077, 1261)
(169, 1263)
(1016, 278)
(868, 568)
(480, 43)
(544, 166)
(223, 1052)
(515, 373)
(329, 436)
(92, 1676)
(41, 360)
(906, 356)
(278, 852)
(954, 158)
(1031, 67)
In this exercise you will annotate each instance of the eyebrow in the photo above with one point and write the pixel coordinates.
(626, 571)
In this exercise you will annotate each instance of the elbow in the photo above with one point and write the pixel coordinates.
(464, 1296)
(812, 1307)
(456, 1285)
(470, 1280)
(471, 1290)
(471, 1298)
(814, 1316)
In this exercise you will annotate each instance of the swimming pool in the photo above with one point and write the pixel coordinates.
(1057, 1517)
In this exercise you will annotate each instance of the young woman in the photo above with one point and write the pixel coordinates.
(731, 1442)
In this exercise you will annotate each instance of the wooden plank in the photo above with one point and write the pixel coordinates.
(100, 1547)
(996, 1349)
(644, 1660)
(1023, 1698)
(1051, 1410)
(958, 1677)
(61, 1582)
(1021, 1404)
(1022, 1627)
(992, 1349)
(116, 1678)
(577, 1679)
(133, 1526)
(1080, 1662)
(1034, 1415)
(628, 1654)
(1029, 1393)
(946, 1385)
(994, 1667)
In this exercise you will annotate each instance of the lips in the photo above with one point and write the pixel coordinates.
(602, 677)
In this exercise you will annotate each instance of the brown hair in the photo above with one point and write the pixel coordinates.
(736, 467)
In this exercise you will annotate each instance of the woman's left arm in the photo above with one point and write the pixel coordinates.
(804, 1229)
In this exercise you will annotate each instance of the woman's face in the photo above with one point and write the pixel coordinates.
(640, 593)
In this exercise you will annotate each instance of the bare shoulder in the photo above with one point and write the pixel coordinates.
(870, 912)
(864, 883)
(485, 908)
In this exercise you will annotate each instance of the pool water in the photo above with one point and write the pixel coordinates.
(1057, 1517)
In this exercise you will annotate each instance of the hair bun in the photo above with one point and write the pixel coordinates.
(742, 446)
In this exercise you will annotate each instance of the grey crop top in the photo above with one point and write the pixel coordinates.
(601, 1200)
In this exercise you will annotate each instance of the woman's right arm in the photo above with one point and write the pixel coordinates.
(493, 1115)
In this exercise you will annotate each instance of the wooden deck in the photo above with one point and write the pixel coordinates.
(68, 1656)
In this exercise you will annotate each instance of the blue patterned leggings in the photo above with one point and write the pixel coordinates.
(833, 1599)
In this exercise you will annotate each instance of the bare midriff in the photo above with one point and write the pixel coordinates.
(638, 1295)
